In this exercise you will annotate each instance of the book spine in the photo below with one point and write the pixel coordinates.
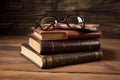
(60, 46)
(73, 58)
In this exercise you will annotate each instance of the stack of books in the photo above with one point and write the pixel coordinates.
(48, 49)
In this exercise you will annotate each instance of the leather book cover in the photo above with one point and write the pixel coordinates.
(60, 46)
(60, 34)
(57, 60)
(86, 27)
(73, 58)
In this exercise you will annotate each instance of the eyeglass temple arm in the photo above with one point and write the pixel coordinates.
(37, 23)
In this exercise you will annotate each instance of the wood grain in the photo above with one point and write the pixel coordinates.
(10, 55)
(18, 16)
(14, 66)
(21, 75)
(21, 64)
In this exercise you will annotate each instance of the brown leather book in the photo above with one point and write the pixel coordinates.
(65, 34)
(60, 46)
(87, 27)
(50, 61)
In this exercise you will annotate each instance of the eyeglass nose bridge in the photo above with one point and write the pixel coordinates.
(62, 21)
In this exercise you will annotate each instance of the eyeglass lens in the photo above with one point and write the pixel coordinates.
(47, 23)
(75, 22)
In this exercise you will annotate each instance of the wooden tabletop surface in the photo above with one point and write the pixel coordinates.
(15, 67)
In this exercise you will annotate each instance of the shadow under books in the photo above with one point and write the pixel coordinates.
(109, 54)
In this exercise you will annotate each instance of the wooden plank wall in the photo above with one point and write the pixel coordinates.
(17, 16)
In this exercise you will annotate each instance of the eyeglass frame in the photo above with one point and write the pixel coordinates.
(38, 22)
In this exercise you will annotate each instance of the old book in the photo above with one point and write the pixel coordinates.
(50, 61)
(87, 27)
(65, 34)
(59, 46)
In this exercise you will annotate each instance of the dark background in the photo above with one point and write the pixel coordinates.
(17, 16)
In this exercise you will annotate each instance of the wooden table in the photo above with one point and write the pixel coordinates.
(15, 67)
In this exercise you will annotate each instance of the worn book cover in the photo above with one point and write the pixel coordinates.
(59, 46)
(60, 34)
(57, 60)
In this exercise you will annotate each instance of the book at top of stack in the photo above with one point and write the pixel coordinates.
(62, 47)
(62, 34)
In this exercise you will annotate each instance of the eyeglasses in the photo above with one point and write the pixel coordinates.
(69, 22)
